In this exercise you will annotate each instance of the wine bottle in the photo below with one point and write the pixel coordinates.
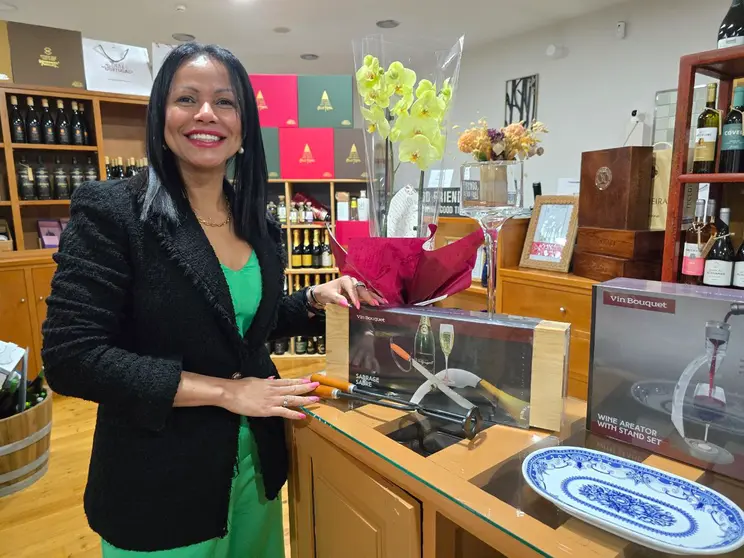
(301, 345)
(309, 217)
(76, 126)
(297, 286)
(732, 141)
(33, 123)
(296, 251)
(9, 394)
(719, 265)
(706, 136)
(354, 209)
(321, 345)
(120, 167)
(738, 279)
(91, 171)
(307, 280)
(281, 210)
(363, 206)
(25, 177)
(109, 171)
(281, 346)
(316, 279)
(84, 123)
(17, 123)
(61, 180)
(423, 347)
(320, 212)
(693, 266)
(731, 32)
(42, 180)
(709, 226)
(62, 127)
(307, 254)
(47, 123)
(77, 177)
(315, 250)
(325, 252)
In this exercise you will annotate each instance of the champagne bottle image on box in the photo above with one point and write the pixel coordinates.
(25, 177)
(47, 123)
(17, 123)
(62, 127)
(42, 180)
(33, 122)
(732, 140)
(731, 32)
(296, 250)
(424, 349)
(61, 180)
(706, 136)
(307, 253)
(719, 265)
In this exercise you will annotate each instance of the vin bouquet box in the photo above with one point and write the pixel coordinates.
(667, 371)
(514, 369)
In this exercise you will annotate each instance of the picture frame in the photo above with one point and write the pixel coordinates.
(551, 236)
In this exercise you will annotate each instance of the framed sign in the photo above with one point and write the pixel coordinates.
(552, 233)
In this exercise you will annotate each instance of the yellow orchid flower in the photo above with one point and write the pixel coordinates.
(428, 105)
(439, 141)
(418, 150)
(368, 76)
(377, 122)
(401, 107)
(379, 95)
(401, 79)
(425, 86)
(446, 92)
(410, 126)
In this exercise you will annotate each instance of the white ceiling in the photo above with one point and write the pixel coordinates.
(323, 27)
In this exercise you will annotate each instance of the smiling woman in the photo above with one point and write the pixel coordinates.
(168, 286)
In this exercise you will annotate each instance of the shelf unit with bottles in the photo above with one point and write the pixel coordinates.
(116, 126)
(727, 189)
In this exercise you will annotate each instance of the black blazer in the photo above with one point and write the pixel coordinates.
(134, 303)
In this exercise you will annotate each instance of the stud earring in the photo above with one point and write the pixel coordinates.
(241, 150)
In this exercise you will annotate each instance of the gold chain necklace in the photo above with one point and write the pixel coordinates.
(209, 223)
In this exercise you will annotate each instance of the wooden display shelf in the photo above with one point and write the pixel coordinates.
(292, 355)
(5, 203)
(312, 271)
(725, 65)
(27, 203)
(53, 147)
(305, 226)
(717, 178)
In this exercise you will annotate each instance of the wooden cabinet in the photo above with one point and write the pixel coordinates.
(25, 283)
(346, 509)
(553, 296)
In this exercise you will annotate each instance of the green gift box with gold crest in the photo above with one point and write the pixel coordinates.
(325, 102)
(271, 148)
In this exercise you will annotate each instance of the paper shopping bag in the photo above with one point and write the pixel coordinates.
(662, 169)
(160, 52)
(117, 68)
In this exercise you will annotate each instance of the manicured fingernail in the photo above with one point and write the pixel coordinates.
(315, 384)
(357, 306)
(303, 417)
(306, 380)
(272, 377)
(314, 399)
(386, 301)
(375, 303)
(343, 302)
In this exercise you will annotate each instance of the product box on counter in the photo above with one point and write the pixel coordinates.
(46, 56)
(276, 97)
(652, 340)
(306, 153)
(270, 137)
(513, 369)
(325, 101)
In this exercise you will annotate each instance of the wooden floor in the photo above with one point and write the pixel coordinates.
(47, 520)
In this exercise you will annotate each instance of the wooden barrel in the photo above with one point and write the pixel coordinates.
(24, 447)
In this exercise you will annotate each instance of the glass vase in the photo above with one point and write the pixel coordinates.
(492, 192)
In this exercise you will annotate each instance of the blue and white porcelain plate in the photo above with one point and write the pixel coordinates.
(639, 503)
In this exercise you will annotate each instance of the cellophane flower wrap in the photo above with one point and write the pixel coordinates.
(406, 95)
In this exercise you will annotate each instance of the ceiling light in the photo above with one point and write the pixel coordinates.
(180, 8)
(183, 37)
(282, 29)
(387, 24)
(309, 56)
(5, 7)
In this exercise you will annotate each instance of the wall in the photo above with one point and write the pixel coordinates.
(585, 98)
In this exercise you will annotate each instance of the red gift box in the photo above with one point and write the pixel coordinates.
(306, 153)
(276, 97)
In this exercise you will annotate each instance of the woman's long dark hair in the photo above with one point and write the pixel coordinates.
(165, 185)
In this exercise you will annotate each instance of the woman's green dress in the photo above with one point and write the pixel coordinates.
(254, 524)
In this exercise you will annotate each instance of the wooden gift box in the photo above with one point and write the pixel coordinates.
(306, 153)
(276, 97)
(501, 357)
(349, 154)
(46, 56)
(631, 245)
(6, 245)
(270, 138)
(616, 187)
(601, 267)
(325, 101)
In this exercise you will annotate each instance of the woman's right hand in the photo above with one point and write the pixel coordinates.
(255, 397)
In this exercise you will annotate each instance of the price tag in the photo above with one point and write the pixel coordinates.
(707, 247)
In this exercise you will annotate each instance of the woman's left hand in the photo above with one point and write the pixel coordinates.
(346, 289)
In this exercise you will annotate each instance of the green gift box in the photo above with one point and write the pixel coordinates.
(271, 148)
(325, 102)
